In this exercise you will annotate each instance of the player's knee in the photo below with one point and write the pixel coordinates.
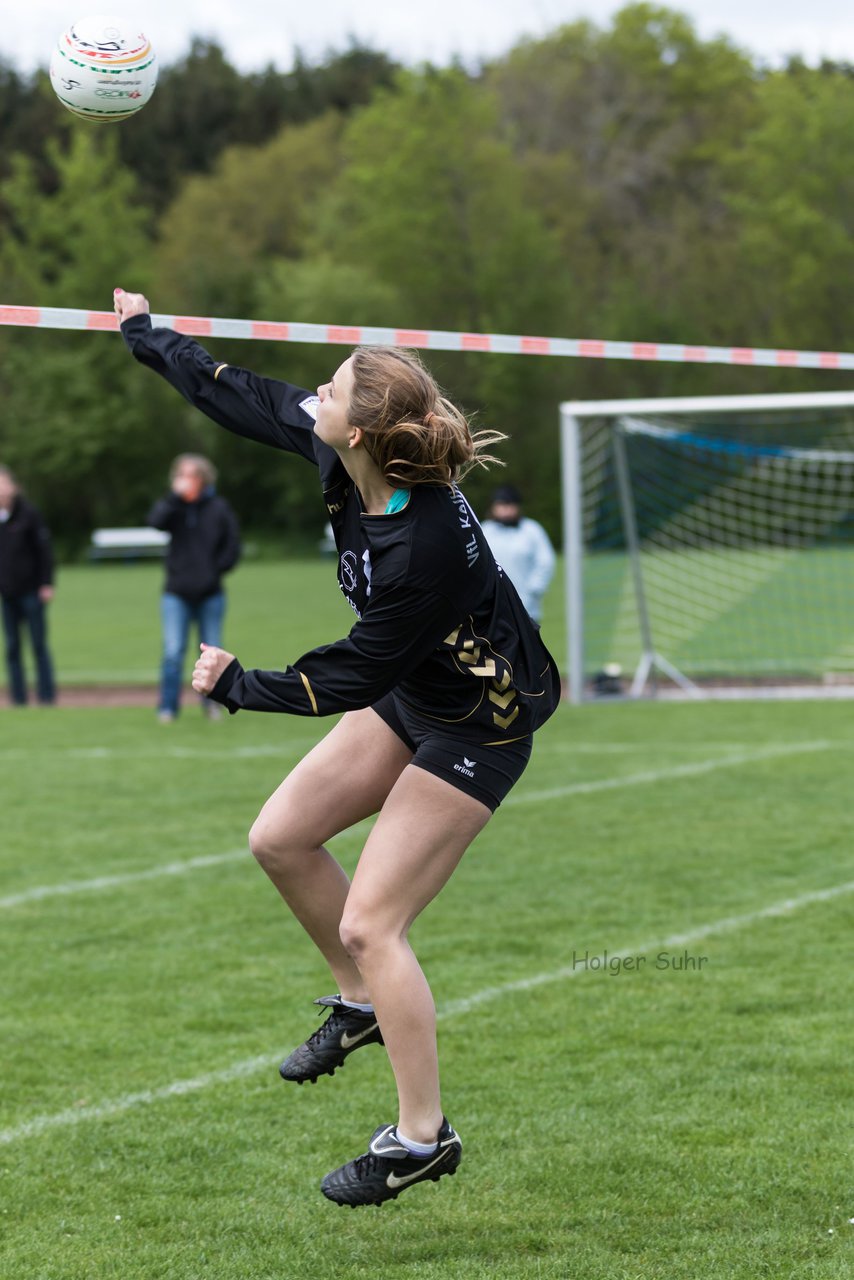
(352, 933)
(269, 844)
(359, 932)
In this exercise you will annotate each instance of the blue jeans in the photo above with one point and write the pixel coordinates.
(177, 614)
(29, 610)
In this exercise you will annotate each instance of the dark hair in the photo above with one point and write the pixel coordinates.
(508, 493)
(412, 432)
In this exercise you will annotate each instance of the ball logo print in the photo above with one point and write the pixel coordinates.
(103, 69)
(348, 570)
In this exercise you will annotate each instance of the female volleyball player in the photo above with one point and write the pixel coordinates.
(443, 679)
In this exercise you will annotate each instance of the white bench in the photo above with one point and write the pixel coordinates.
(128, 544)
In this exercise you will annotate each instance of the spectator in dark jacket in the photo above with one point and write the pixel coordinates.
(205, 545)
(26, 586)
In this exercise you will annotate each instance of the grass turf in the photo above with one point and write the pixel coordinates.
(654, 1124)
(105, 621)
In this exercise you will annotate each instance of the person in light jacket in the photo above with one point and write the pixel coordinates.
(521, 546)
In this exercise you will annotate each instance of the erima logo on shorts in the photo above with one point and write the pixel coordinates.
(467, 767)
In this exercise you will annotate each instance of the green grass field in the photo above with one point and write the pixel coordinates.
(105, 620)
(647, 1124)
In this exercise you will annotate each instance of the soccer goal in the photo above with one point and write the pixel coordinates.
(710, 545)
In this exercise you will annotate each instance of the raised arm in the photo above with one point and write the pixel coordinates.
(164, 513)
(262, 409)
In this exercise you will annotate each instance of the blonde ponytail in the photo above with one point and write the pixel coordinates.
(411, 431)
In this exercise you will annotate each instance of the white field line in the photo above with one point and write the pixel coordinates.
(785, 907)
(160, 753)
(261, 750)
(249, 1066)
(616, 783)
(661, 775)
(40, 892)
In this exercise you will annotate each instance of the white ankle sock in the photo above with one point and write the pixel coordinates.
(354, 1004)
(420, 1149)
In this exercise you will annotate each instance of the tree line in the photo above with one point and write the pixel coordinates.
(632, 181)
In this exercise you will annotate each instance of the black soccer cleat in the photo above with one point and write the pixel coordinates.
(343, 1031)
(387, 1168)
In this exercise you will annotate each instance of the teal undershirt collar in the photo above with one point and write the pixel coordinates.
(397, 501)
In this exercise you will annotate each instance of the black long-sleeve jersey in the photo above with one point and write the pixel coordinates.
(437, 622)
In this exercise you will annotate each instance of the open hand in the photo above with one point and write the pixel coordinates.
(209, 667)
(129, 304)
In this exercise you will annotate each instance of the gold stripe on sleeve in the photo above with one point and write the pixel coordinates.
(219, 370)
(309, 691)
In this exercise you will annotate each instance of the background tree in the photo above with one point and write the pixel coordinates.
(72, 426)
(791, 188)
(218, 237)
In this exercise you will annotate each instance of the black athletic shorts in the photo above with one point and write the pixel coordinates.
(485, 772)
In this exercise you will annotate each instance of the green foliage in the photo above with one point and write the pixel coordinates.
(202, 105)
(79, 440)
(792, 189)
(29, 120)
(59, 250)
(256, 205)
(432, 201)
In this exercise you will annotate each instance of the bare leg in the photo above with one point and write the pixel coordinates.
(422, 832)
(344, 779)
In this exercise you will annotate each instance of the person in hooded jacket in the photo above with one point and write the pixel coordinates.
(205, 545)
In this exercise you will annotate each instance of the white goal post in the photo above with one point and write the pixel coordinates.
(709, 541)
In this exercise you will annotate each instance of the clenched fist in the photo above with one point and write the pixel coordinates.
(129, 304)
(209, 667)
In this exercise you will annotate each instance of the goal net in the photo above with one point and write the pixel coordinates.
(710, 544)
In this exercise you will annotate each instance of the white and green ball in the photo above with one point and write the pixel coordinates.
(103, 69)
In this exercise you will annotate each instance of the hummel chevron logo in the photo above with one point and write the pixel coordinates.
(393, 1182)
(350, 1042)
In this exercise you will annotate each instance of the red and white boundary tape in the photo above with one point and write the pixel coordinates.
(436, 339)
